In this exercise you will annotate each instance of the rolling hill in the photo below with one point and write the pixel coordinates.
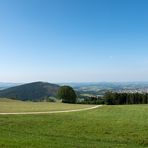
(35, 91)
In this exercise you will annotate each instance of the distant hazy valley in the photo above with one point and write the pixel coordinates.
(97, 88)
(101, 87)
(7, 85)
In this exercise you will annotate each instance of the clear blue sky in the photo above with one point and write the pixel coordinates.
(73, 40)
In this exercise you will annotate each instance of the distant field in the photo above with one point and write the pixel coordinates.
(105, 127)
(11, 106)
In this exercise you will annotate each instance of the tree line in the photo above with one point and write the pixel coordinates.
(92, 100)
(68, 95)
(113, 98)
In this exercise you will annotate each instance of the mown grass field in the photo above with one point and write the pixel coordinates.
(105, 127)
(12, 106)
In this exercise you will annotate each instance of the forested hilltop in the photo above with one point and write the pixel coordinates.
(36, 91)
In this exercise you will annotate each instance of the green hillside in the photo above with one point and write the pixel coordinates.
(33, 91)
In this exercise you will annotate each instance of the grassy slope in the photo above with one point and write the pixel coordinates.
(106, 127)
(9, 106)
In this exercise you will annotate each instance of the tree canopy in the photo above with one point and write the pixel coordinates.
(67, 94)
(114, 98)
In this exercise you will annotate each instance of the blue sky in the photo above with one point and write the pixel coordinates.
(73, 40)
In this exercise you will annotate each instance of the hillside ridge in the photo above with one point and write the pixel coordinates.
(34, 91)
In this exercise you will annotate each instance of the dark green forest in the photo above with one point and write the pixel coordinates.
(112, 98)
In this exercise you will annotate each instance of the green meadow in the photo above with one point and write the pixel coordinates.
(12, 106)
(106, 127)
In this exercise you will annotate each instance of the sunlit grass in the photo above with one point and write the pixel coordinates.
(9, 106)
(106, 127)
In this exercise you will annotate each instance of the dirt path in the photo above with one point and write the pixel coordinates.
(52, 112)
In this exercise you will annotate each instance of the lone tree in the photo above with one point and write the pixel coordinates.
(67, 94)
